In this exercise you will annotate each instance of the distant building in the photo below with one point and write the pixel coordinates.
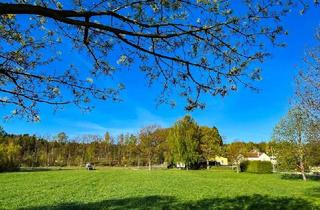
(259, 156)
(254, 155)
(315, 170)
(219, 160)
(180, 165)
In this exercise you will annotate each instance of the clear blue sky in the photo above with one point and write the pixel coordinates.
(244, 115)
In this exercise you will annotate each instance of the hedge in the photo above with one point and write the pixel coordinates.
(244, 166)
(259, 167)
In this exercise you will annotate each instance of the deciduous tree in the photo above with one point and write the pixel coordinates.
(235, 152)
(188, 47)
(293, 133)
(210, 143)
(308, 80)
(184, 141)
(149, 143)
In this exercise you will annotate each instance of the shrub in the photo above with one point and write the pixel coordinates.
(244, 166)
(259, 167)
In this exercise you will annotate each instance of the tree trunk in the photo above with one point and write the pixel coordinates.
(48, 154)
(302, 171)
(69, 157)
(301, 148)
(304, 176)
(208, 166)
(149, 165)
(273, 168)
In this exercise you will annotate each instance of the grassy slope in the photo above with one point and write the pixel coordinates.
(135, 189)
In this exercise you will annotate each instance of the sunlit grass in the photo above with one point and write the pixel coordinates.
(127, 188)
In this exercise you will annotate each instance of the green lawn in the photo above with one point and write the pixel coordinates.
(112, 188)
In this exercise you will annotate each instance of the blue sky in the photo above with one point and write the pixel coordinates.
(243, 115)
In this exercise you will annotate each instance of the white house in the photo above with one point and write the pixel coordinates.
(258, 156)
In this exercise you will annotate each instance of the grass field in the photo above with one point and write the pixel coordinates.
(112, 188)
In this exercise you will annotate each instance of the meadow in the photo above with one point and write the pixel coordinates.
(119, 188)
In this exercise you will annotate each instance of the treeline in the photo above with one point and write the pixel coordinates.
(185, 142)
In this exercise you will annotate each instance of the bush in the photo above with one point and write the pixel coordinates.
(244, 166)
(259, 167)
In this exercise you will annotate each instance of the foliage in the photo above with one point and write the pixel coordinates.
(150, 143)
(184, 140)
(244, 165)
(2, 132)
(62, 137)
(222, 45)
(113, 188)
(313, 152)
(293, 134)
(210, 143)
(258, 167)
(9, 156)
(235, 153)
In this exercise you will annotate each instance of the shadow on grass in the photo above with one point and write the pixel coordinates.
(314, 192)
(35, 170)
(299, 176)
(254, 202)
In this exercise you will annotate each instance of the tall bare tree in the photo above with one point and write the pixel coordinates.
(308, 80)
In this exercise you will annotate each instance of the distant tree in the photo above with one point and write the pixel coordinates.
(149, 143)
(12, 152)
(90, 152)
(262, 146)
(107, 144)
(107, 138)
(131, 143)
(121, 156)
(162, 136)
(2, 131)
(293, 135)
(234, 152)
(184, 141)
(308, 80)
(191, 47)
(2, 157)
(313, 144)
(62, 137)
(270, 147)
(210, 143)
(313, 152)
